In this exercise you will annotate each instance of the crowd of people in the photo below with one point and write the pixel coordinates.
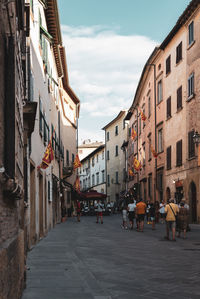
(176, 216)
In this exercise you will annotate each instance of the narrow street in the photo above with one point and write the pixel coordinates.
(102, 261)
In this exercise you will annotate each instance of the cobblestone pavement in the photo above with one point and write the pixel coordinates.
(102, 261)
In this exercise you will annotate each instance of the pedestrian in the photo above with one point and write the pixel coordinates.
(131, 213)
(124, 216)
(78, 210)
(171, 211)
(162, 212)
(99, 208)
(183, 216)
(157, 213)
(140, 211)
(152, 214)
(147, 212)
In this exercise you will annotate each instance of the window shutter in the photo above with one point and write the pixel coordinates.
(179, 153)
(191, 145)
(179, 97)
(169, 107)
(169, 157)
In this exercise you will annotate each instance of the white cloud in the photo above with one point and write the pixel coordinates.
(104, 68)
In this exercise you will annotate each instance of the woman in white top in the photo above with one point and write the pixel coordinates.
(131, 213)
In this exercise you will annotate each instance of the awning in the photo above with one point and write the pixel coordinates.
(93, 194)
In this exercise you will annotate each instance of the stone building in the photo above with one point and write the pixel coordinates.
(116, 134)
(92, 171)
(14, 128)
(37, 105)
(168, 95)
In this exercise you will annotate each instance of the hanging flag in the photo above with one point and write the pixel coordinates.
(137, 165)
(198, 154)
(154, 152)
(77, 184)
(143, 116)
(77, 162)
(133, 134)
(48, 157)
(131, 172)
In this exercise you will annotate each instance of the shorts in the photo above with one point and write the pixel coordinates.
(131, 216)
(78, 213)
(99, 213)
(171, 224)
(140, 217)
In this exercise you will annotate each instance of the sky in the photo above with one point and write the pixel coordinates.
(107, 43)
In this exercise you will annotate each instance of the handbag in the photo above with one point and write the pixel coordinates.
(176, 217)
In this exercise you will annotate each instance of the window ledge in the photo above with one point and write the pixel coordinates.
(177, 64)
(190, 45)
(159, 102)
(168, 74)
(168, 117)
(179, 165)
(192, 158)
(169, 168)
(190, 97)
(179, 109)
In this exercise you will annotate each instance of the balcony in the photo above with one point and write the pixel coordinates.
(68, 170)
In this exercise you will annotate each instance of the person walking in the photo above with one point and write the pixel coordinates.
(131, 213)
(152, 215)
(124, 216)
(140, 211)
(182, 219)
(78, 210)
(171, 210)
(162, 211)
(99, 209)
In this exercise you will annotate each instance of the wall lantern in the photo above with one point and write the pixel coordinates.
(196, 138)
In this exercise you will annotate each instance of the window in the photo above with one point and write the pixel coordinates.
(72, 158)
(116, 177)
(116, 130)
(140, 125)
(67, 157)
(150, 153)
(169, 107)
(168, 65)
(150, 186)
(191, 33)
(103, 155)
(129, 132)
(97, 175)
(179, 153)
(40, 117)
(103, 176)
(144, 154)
(116, 150)
(179, 53)
(160, 140)
(191, 85)
(191, 145)
(92, 161)
(149, 107)
(179, 98)
(31, 88)
(169, 157)
(108, 180)
(97, 158)
(107, 136)
(93, 180)
(108, 155)
(159, 91)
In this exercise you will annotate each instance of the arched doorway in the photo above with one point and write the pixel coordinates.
(193, 202)
(168, 193)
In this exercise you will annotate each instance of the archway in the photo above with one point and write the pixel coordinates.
(168, 193)
(193, 202)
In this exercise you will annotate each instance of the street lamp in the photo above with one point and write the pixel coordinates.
(196, 138)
